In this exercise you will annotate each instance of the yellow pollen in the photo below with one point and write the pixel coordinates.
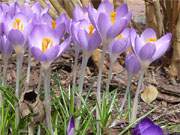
(91, 29)
(53, 23)
(120, 36)
(18, 25)
(46, 43)
(151, 40)
(113, 17)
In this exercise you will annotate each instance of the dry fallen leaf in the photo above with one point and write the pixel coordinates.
(149, 94)
(96, 55)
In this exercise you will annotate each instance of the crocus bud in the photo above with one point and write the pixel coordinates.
(132, 64)
(71, 126)
(147, 127)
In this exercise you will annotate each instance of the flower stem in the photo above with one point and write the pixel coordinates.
(98, 91)
(28, 70)
(135, 103)
(82, 74)
(75, 66)
(47, 97)
(126, 93)
(19, 58)
(30, 130)
(5, 61)
(112, 61)
(129, 106)
(40, 79)
(81, 82)
(5, 66)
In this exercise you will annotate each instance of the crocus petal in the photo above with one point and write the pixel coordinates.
(6, 46)
(162, 45)
(147, 51)
(16, 37)
(132, 64)
(118, 46)
(148, 33)
(80, 13)
(102, 26)
(64, 46)
(122, 10)
(74, 30)
(125, 33)
(92, 14)
(128, 17)
(94, 41)
(133, 35)
(105, 7)
(138, 45)
(153, 130)
(71, 127)
(52, 53)
(117, 28)
(83, 39)
(37, 53)
(147, 127)
(60, 29)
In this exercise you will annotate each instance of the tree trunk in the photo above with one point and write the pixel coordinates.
(175, 65)
(150, 15)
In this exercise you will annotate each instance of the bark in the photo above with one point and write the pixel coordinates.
(57, 6)
(175, 66)
(175, 28)
(159, 17)
(150, 15)
(52, 11)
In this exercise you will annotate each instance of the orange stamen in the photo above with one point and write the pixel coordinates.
(53, 23)
(91, 29)
(46, 43)
(18, 25)
(113, 17)
(120, 36)
(151, 40)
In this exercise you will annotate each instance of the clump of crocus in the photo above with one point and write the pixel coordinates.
(147, 49)
(71, 127)
(79, 13)
(147, 127)
(88, 39)
(37, 15)
(46, 47)
(109, 22)
(119, 44)
(17, 28)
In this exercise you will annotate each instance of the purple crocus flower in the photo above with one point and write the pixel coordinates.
(147, 47)
(147, 127)
(120, 43)
(108, 20)
(18, 29)
(44, 43)
(71, 127)
(86, 35)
